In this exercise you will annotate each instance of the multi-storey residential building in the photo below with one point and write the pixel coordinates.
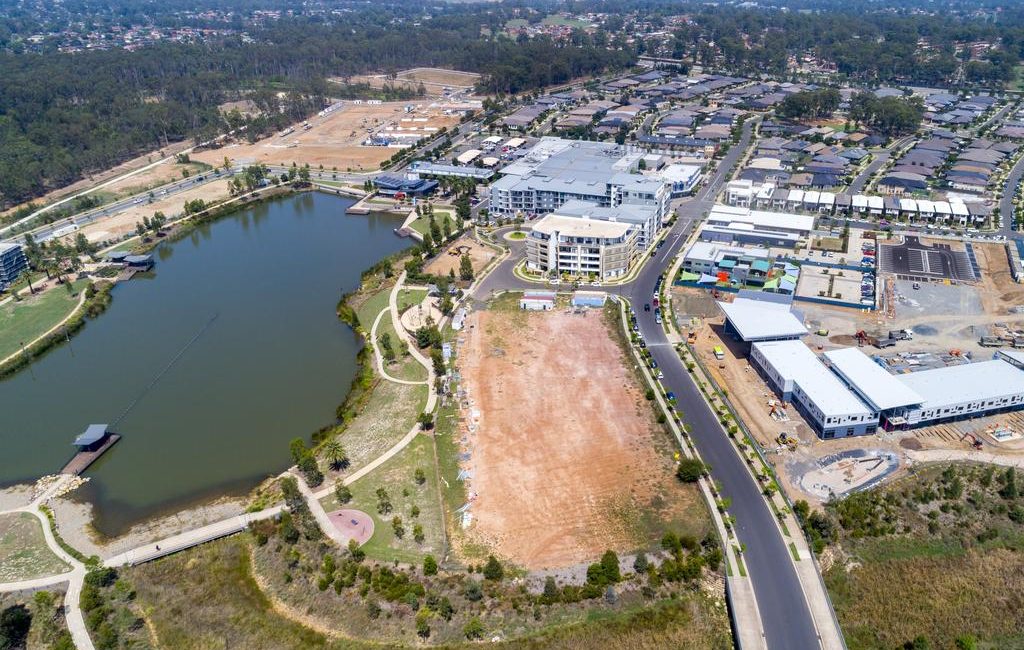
(581, 246)
(556, 172)
(12, 263)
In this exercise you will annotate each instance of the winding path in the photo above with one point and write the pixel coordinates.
(75, 577)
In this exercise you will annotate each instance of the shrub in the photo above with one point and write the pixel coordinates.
(493, 569)
(690, 470)
(429, 566)
(473, 629)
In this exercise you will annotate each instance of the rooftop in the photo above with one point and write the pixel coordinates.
(876, 385)
(970, 382)
(757, 320)
(794, 361)
(580, 227)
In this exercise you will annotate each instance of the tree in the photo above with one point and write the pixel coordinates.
(465, 268)
(342, 492)
(420, 476)
(15, 622)
(429, 566)
(493, 569)
(334, 454)
(690, 470)
(437, 359)
(640, 564)
(550, 590)
(354, 551)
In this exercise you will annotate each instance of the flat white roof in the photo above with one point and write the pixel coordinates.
(875, 202)
(726, 214)
(795, 362)
(910, 205)
(969, 382)
(468, 156)
(860, 201)
(796, 195)
(876, 385)
(581, 227)
(758, 320)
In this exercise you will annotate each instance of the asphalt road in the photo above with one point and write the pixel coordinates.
(1013, 180)
(784, 613)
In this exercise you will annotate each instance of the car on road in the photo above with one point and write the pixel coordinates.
(661, 375)
(647, 306)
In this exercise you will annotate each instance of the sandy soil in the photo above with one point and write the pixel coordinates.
(564, 444)
(15, 496)
(159, 175)
(444, 262)
(335, 139)
(434, 80)
(74, 523)
(122, 223)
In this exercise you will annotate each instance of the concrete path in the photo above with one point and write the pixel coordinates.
(380, 358)
(78, 308)
(75, 577)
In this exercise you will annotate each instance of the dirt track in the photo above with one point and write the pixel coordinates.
(564, 460)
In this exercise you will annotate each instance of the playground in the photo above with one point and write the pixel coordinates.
(451, 258)
(561, 454)
(353, 524)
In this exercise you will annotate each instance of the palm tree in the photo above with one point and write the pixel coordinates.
(335, 454)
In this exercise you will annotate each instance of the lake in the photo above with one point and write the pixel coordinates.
(272, 365)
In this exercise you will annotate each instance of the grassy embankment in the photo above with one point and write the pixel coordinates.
(938, 556)
(26, 320)
(24, 554)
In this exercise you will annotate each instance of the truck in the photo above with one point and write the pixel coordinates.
(719, 352)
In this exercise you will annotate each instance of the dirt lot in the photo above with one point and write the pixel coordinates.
(434, 80)
(478, 253)
(124, 222)
(154, 177)
(335, 140)
(563, 448)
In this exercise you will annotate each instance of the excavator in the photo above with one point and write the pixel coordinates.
(975, 442)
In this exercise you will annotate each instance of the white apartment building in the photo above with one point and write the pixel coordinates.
(580, 246)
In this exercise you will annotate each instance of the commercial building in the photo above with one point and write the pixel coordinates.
(455, 171)
(847, 393)
(682, 178)
(580, 246)
(798, 376)
(755, 220)
(767, 317)
(395, 185)
(556, 171)
(12, 263)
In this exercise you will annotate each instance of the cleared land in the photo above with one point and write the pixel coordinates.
(122, 223)
(434, 80)
(335, 140)
(564, 455)
(450, 258)
(23, 551)
(24, 321)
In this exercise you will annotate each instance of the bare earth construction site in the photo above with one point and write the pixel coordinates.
(565, 457)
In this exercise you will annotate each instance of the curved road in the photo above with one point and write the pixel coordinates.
(785, 616)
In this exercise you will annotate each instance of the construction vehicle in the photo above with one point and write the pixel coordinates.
(990, 342)
(691, 338)
(975, 442)
(862, 338)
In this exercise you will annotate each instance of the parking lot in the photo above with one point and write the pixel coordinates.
(914, 260)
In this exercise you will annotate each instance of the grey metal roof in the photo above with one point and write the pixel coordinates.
(93, 433)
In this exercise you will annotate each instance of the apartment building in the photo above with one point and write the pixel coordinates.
(12, 263)
(581, 246)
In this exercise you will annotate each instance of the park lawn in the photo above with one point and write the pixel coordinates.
(410, 298)
(1017, 84)
(405, 366)
(369, 308)
(23, 322)
(389, 414)
(396, 476)
(517, 23)
(207, 598)
(24, 554)
(517, 235)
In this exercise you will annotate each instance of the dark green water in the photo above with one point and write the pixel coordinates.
(272, 366)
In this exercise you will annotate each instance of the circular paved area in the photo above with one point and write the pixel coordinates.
(353, 524)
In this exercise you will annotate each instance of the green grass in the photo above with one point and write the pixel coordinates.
(555, 19)
(405, 366)
(24, 321)
(24, 554)
(739, 562)
(410, 297)
(369, 308)
(792, 549)
(396, 476)
(1018, 79)
(516, 235)
(389, 414)
(517, 23)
